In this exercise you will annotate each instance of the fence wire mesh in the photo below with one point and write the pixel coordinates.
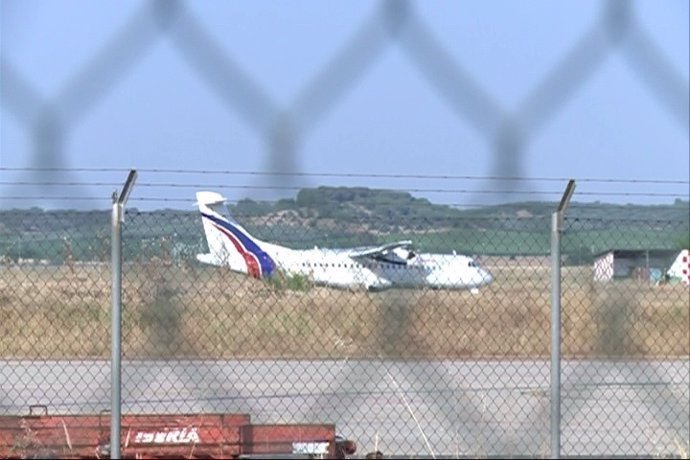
(420, 372)
(432, 372)
(615, 30)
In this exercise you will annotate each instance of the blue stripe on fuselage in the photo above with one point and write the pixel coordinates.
(265, 262)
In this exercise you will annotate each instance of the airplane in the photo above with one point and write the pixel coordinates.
(391, 265)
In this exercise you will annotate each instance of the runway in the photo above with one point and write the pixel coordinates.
(404, 407)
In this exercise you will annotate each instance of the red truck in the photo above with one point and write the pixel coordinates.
(188, 436)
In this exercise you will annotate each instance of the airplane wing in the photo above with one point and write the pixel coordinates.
(379, 251)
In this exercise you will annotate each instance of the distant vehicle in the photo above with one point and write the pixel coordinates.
(680, 268)
(373, 268)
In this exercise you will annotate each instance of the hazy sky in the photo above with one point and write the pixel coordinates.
(536, 89)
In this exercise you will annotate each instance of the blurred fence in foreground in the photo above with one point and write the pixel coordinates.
(615, 30)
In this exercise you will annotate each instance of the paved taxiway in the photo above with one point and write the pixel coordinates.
(475, 408)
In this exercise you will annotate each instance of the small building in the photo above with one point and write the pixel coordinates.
(680, 269)
(642, 264)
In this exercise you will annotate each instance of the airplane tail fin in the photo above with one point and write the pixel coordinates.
(228, 242)
(209, 204)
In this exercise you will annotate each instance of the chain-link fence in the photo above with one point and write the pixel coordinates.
(423, 371)
(616, 29)
(410, 371)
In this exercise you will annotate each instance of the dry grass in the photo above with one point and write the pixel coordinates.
(211, 313)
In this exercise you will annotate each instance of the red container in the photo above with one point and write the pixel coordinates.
(189, 436)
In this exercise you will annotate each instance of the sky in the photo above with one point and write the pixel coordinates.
(444, 99)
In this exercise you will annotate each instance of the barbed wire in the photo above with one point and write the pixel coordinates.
(435, 177)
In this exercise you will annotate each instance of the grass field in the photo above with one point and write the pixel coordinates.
(204, 312)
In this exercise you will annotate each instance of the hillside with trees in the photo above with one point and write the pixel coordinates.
(353, 216)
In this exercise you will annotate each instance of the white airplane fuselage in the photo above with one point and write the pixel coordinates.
(392, 265)
(337, 268)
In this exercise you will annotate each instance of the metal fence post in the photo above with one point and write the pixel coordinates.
(556, 229)
(116, 253)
